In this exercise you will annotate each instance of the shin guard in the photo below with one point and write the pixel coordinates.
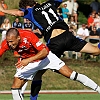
(85, 81)
(16, 94)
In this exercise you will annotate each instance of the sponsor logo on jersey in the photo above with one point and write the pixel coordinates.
(25, 40)
(44, 7)
(38, 43)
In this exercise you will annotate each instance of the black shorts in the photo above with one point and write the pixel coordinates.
(65, 42)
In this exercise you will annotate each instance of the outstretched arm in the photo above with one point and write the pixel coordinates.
(15, 12)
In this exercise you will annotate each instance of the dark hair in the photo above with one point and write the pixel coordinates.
(24, 3)
(12, 31)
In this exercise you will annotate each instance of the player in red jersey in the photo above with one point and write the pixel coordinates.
(34, 56)
(55, 31)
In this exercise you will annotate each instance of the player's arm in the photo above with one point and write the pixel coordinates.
(40, 47)
(39, 56)
(42, 51)
(15, 12)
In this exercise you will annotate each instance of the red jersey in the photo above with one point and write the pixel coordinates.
(5, 7)
(90, 21)
(29, 46)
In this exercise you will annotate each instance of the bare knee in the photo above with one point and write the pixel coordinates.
(66, 71)
(18, 83)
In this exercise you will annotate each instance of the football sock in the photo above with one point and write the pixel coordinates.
(23, 88)
(85, 80)
(16, 94)
(35, 88)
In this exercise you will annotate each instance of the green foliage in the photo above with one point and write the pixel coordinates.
(81, 18)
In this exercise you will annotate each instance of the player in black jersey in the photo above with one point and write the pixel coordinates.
(56, 34)
(54, 29)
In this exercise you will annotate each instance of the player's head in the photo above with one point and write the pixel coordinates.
(12, 38)
(25, 3)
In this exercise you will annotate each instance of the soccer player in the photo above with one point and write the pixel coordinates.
(55, 30)
(35, 56)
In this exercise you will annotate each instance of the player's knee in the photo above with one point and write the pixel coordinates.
(16, 86)
(18, 83)
(74, 75)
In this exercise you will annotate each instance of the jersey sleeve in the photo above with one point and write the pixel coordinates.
(3, 47)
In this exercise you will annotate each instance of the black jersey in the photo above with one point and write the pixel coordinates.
(45, 17)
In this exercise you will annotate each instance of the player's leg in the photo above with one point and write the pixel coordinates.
(16, 88)
(89, 48)
(36, 84)
(23, 88)
(57, 64)
(68, 42)
(69, 73)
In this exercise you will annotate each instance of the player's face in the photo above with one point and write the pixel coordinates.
(13, 41)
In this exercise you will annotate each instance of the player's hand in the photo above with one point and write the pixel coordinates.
(1, 8)
(22, 64)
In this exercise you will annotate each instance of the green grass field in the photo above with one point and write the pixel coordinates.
(56, 97)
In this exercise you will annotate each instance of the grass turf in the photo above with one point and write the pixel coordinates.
(56, 97)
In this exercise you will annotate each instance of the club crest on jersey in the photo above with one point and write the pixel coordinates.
(38, 43)
(25, 40)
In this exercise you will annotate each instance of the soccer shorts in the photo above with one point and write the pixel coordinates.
(65, 42)
(50, 62)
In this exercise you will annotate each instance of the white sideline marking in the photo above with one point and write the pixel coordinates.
(56, 92)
